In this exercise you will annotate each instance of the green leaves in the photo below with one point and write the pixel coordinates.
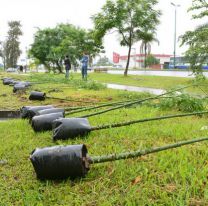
(11, 50)
(197, 40)
(52, 44)
(151, 60)
(183, 102)
(128, 18)
(201, 6)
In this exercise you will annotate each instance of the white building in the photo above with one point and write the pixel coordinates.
(137, 60)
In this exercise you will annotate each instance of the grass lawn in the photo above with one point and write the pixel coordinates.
(140, 80)
(158, 82)
(173, 177)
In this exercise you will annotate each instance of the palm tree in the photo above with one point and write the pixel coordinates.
(145, 48)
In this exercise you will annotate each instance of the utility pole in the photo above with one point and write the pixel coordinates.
(134, 57)
(174, 52)
(25, 59)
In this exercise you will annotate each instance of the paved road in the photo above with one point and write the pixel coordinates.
(187, 74)
(136, 89)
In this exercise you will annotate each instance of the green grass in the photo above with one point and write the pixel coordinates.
(158, 82)
(140, 80)
(174, 177)
(166, 178)
(58, 86)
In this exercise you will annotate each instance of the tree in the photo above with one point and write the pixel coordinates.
(128, 18)
(197, 40)
(145, 48)
(2, 53)
(11, 50)
(151, 60)
(52, 44)
(104, 61)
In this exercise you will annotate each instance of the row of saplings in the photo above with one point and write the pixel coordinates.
(17, 84)
(72, 161)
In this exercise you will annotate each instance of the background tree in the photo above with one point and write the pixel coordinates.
(44, 48)
(128, 17)
(147, 38)
(151, 60)
(52, 44)
(104, 61)
(12, 45)
(197, 40)
(3, 53)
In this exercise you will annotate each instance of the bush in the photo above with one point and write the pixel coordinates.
(76, 83)
(199, 78)
(90, 84)
(183, 102)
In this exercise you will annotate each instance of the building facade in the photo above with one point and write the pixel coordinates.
(137, 60)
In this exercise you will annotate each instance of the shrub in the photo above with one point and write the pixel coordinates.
(182, 102)
(90, 84)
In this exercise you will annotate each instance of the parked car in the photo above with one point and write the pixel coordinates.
(12, 70)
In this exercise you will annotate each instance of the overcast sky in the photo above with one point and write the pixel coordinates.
(48, 13)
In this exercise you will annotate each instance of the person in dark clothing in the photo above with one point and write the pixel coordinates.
(21, 68)
(67, 64)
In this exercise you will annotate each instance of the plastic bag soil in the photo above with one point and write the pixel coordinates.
(44, 122)
(27, 111)
(49, 111)
(60, 162)
(67, 128)
(14, 82)
(27, 84)
(19, 87)
(7, 81)
(37, 96)
(4, 78)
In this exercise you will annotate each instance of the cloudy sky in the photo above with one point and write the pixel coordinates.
(48, 13)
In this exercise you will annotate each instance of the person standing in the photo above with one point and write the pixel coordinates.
(84, 62)
(21, 68)
(67, 64)
(25, 68)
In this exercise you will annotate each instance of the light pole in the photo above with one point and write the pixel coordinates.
(174, 52)
(134, 57)
(25, 59)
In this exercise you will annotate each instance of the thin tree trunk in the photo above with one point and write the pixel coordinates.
(145, 55)
(59, 67)
(132, 103)
(146, 120)
(127, 63)
(129, 53)
(69, 100)
(47, 67)
(139, 153)
(98, 106)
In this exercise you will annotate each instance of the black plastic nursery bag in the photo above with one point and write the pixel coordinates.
(70, 128)
(59, 162)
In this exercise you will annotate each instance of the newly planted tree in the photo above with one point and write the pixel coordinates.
(128, 18)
